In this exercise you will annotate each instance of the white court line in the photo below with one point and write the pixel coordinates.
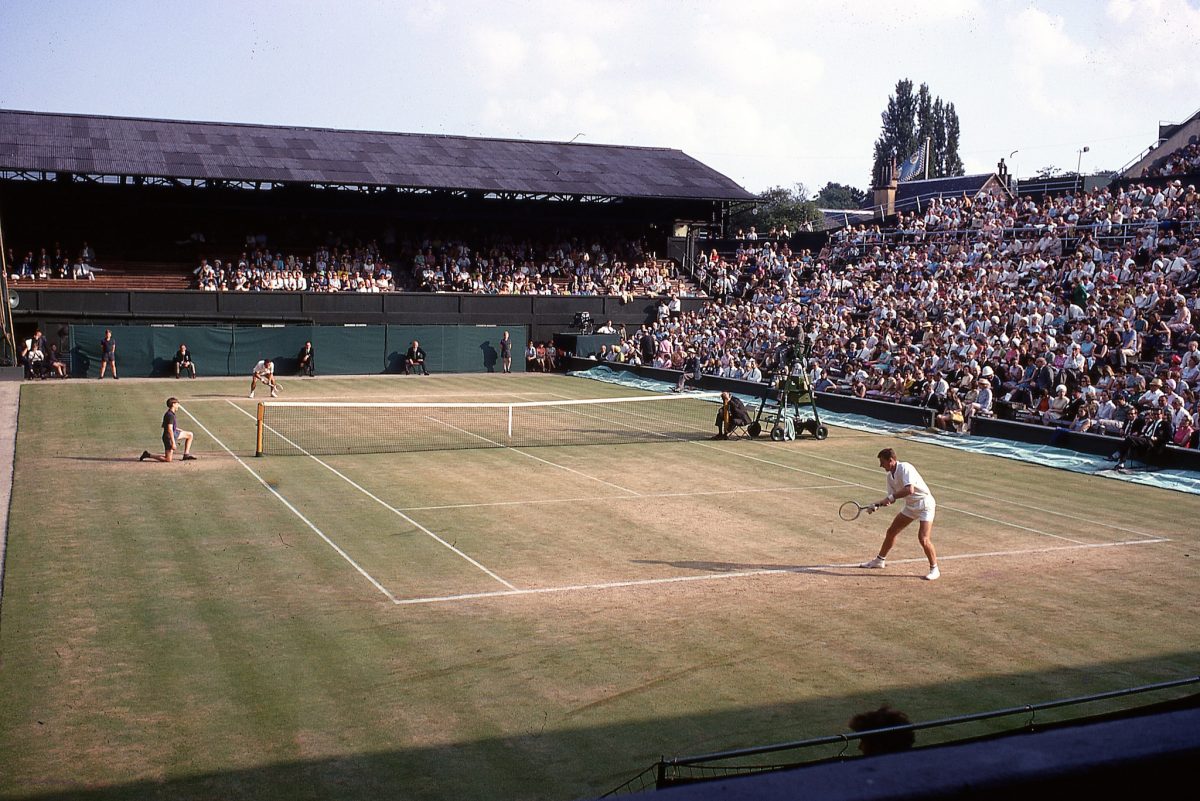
(531, 456)
(611, 585)
(366, 396)
(607, 498)
(293, 509)
(383, 503)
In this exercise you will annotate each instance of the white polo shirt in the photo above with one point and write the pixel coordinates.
(905, 475)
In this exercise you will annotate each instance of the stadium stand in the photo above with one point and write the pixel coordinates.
(1026, 294)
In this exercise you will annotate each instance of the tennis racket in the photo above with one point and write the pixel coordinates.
(850, 510)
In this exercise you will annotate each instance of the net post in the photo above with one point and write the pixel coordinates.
(258, 440)
(510, 411)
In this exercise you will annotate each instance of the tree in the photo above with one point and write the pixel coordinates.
(840, 196)
(908, 121)
(925, 123)
(779, 207)
(937, 159)
(899, 137)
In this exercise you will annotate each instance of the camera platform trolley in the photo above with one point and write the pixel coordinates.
(787, 395)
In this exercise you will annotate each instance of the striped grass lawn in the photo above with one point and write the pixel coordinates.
(527, 623)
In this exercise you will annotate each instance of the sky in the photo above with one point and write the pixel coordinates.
(768, 92)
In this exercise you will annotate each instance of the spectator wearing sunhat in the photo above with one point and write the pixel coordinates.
(1149, 398)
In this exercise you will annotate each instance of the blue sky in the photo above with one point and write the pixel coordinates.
(769, 92)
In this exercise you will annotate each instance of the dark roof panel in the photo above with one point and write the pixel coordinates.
(225, 151)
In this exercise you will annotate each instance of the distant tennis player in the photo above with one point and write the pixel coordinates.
(172, 435)
(264, 371)
(903, 481)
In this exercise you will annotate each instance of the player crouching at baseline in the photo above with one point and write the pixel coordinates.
(903, 481)
(172, 434)
(264, 371)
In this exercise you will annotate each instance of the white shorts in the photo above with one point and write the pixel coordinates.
(922, 511)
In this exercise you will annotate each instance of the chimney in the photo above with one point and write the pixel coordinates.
(885, 193)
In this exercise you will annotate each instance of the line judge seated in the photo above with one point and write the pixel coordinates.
(731, 415)
(414, 359)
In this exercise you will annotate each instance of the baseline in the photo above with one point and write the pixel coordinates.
(612, 585)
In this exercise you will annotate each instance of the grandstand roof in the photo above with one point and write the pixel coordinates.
(955, 185)
(37, 142)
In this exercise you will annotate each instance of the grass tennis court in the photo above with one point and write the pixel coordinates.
(527, 623)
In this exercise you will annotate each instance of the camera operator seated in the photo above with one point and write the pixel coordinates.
(732, 415)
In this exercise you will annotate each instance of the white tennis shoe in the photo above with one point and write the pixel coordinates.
(877, 562)
(252, 394)
(934, 574)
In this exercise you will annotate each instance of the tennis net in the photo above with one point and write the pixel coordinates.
(302, 427)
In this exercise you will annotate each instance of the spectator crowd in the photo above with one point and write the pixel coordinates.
(43, 266)
(500, 266)
(1184, 161)
(1073, 310)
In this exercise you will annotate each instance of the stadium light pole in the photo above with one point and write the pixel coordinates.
(1078, 166)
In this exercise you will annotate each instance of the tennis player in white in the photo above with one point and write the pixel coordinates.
(903, 481)
(264, 371)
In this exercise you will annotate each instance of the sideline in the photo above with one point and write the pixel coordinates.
(10, 402)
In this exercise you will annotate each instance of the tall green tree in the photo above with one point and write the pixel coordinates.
(779, 207)
(840, 196)
(951, 163)
(907, 122)
(899, 136)
(925, 123)
(937, 159)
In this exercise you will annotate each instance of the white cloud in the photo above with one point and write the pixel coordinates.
(497, 55)
(1159, 40)
(568, 59)
(1045, 60)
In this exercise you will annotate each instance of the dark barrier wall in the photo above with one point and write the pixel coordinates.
(584, 345)
(340, 350)
(1095, 444)
(542, 316)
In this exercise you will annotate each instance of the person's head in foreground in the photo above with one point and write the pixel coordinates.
(889, 742)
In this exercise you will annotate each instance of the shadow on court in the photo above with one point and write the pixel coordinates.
(738, 567)
(562, 760)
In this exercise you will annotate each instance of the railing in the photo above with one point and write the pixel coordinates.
(668, 772)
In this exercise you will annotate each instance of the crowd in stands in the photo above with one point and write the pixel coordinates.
(500, 267)
(1068, 310)
(43, 266)
(349, 269)
(620, 268)
(1184, 161)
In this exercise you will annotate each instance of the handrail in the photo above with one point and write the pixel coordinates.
(958, 719)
